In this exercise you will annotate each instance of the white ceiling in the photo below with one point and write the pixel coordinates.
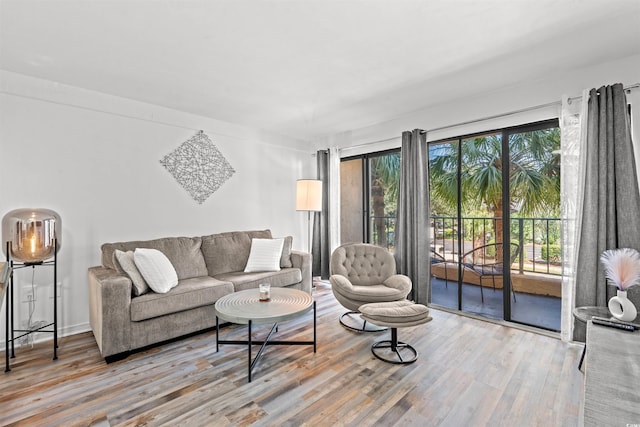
(309, 68)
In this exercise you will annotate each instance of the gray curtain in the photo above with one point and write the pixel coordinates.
(321, 246)
(412, 222)
(611, 205)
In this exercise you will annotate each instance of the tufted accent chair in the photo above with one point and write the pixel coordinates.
(362, 273)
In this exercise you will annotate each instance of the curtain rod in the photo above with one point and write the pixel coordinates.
(495, 116)
(371, 143)
(626, 89)
(523, 110)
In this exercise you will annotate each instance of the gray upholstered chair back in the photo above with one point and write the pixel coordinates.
(362, 263)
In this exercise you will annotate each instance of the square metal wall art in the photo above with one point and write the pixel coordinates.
(198, 166)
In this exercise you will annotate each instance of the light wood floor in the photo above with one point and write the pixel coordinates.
(469, 373)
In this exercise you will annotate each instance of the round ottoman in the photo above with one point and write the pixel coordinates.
(395, 314)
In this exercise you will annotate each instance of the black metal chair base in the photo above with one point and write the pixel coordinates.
(397, 349)
(357, 324)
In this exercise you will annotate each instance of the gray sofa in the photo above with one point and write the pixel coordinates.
(208, 268)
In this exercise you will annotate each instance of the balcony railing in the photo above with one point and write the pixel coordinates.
(536, 236)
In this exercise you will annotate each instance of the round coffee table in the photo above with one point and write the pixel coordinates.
(245, 308)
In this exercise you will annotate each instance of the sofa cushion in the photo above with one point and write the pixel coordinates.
(395, 314)
(227, 252)
(190, 293)
(242, 281)
(183, 252)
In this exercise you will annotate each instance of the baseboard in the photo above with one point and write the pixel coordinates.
(62, 332)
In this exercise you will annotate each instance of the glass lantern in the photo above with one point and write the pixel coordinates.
(32, 234)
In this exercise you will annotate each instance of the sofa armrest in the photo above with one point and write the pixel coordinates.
(109, 310)
(302, 260)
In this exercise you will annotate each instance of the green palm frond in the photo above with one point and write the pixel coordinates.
(534, 174)
(387, 169)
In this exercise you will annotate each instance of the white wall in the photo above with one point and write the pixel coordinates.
(94, 159)
(387, 135)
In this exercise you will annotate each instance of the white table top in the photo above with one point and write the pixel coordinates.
(285, 304)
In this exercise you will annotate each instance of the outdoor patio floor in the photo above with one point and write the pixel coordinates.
(535, 310)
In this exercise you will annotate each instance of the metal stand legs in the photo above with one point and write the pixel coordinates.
(358, 324)
(252, 362)
(10, 337)
(397, 348)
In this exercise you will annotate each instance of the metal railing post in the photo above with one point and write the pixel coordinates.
(445, 232)
(523, 250)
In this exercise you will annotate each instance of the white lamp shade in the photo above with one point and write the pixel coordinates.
(309, 195)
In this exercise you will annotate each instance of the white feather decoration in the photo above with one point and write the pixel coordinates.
(622, 267)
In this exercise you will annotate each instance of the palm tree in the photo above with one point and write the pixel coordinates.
(534, 174)
(385, 176)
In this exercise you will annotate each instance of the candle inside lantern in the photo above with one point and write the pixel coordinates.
(265, 292)
(31, 235)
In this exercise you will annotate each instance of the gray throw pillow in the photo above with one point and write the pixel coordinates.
(124, 262)
(116, 264)
(285, 260)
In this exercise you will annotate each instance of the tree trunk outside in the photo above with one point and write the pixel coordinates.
(377, 201)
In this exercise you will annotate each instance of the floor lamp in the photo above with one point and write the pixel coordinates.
(31, 238)
(309, 198)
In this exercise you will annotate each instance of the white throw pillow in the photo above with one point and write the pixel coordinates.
(265, 255)
(156, 269)
(125, 261)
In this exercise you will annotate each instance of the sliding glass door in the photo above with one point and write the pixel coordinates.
(352, 213)
(467, 224)
(368, 198)
(486, 190)
(535, 225)
(494, 225)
